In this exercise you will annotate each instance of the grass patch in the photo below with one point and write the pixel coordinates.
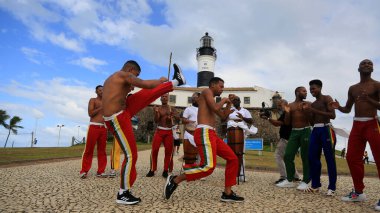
(21, 155)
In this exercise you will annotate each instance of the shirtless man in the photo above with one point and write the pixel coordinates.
(299, 137)
(163, 117)
(96, 135)
(365, 95)
(322, 137)
(118, 110)
(209, 144)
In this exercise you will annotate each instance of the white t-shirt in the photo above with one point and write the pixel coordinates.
(244, 112)
(191, 113)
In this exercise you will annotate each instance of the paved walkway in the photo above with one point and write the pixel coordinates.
(56, 187)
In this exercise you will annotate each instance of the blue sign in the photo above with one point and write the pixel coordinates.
(254, 144)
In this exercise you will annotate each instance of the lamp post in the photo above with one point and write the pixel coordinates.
(78, 132)
(59, 133)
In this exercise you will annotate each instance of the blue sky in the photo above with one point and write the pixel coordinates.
(54, 53)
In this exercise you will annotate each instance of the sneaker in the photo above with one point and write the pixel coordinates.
(112, 174)
(311, 190)
(330, 192)
(127, 198)
(279, 180)
(150, 174)
(297, 180)
(178, 75)
(231, 198)
(170, 186)
(377, 207)
(165, 174)
(354, 197)
(101, 175)
(286, 184)
(83, 175)
(302, 186)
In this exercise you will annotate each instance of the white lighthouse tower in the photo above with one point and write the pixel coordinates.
(206, 56)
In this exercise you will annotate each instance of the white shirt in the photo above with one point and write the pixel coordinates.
(242, 124)
(190, 113)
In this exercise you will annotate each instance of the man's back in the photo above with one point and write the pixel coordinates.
(115, 91)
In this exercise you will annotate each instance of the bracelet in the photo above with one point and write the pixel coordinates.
(268, 119)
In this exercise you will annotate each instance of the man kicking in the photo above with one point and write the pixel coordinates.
(210, 145)
(118, 110)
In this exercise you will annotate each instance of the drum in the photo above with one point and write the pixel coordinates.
(235, 139)
(190, 152)
(190, 127)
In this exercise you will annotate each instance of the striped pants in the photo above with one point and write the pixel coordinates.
(209, 146)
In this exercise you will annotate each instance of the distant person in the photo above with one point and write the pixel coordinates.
(366, 96)
(299, 119)
(163, 117)
(96, 135)
(343, 153)
(284, 133)
(365, 157)
(119, 110)
(177, 140)
(209, 145)
(322, 138)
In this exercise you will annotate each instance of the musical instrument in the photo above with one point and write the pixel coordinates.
(235, 140)
(190, 152)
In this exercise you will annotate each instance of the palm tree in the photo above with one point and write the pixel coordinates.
(3, 117)
(12, 126)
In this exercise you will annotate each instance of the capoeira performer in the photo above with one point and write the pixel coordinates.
(163, 117)
(322, 137)
(119, 110)
(96, 135)
(209, 145)
(366, 96)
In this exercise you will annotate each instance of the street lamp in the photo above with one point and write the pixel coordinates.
(59, 134)
(78, 132)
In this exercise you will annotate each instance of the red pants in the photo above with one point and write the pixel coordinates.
(95, 135)
(209, 146)
(160, 136)
(121, 127)
(362, 131)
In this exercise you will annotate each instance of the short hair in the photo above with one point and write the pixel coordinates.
(215, 80)
(197, 93)
(131, 63)
(98, 87)
(316, 82)
(296, 90)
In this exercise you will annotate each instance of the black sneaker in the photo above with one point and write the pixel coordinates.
(231, 198)
(127, 198)
(150, 174)
(279, 180)
(165, 174)
(170, 186)
(178, 75)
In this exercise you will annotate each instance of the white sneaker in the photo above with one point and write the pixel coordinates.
(286, 184)
(302, 186)
(330, 192)
(354, 197)
(377, 207)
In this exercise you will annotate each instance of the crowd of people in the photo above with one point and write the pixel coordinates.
(304, 126)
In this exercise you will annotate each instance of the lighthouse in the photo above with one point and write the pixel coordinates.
(206, 56)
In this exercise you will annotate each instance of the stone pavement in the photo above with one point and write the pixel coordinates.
(56, 187)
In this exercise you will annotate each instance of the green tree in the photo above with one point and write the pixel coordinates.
(12, 126)
(3, 117)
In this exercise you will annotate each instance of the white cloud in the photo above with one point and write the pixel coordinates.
(90, 63)
(36, 56)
